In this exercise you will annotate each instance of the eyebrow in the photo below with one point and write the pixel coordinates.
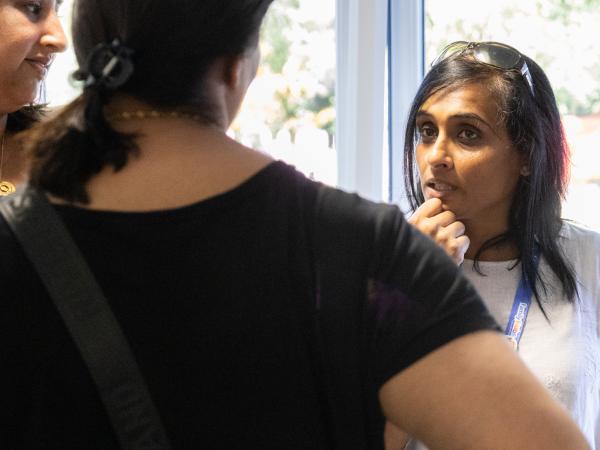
(463, 116)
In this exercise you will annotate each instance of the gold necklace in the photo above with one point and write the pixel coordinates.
(6, 187)
(153, 114)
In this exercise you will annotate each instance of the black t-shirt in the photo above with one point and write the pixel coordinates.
(221, 303)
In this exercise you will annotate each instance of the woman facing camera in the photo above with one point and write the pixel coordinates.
(30, 35)
(487, 167)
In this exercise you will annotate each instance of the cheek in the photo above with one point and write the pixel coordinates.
(490, 180)
(419, 156)
(13, 50)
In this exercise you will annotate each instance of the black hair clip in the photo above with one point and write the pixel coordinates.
(109, 66)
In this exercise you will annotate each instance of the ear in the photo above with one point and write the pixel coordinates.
(524, 161)
(233, 71)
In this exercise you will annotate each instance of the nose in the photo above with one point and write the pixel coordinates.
(53, 37)
(438, 156)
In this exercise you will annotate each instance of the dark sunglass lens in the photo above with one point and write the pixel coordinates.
(503, 57)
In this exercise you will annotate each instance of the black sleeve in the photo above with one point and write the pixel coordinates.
(388, 294)
(418, 299)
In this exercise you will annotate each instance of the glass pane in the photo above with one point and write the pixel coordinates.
(289, 109)
(557, 35)
(58, 90)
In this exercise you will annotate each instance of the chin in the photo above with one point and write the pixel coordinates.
(449, 206)
(31, 100)
(27, 95)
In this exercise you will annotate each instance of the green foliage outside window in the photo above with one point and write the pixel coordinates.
(558, 34)
(293, 54)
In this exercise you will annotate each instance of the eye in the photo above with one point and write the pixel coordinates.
(427, 132)
(468, 135)
(33, 8)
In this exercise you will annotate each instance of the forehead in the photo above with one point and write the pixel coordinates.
(474, 98)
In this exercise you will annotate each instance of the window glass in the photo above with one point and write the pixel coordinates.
(558, 36)
(58, 90)
(289, 109)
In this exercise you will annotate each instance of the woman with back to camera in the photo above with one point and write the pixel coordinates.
(207, 253)
(487, 168)
(30, 35)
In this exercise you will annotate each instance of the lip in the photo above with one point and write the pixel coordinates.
(40, 65)
(436, 188)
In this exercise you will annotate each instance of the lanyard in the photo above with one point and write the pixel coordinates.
(520, 308)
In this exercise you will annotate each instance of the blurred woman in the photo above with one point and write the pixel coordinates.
(30, 35)
(487, 167)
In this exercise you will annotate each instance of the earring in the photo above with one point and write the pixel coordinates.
(525, 171)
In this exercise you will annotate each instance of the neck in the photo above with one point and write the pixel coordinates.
(179, 161)
(126, 107)
(479, 233)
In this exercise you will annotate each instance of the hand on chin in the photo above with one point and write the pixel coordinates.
(435, 220)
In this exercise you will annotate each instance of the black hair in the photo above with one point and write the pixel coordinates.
(174, 43)
(534, 127)
(24, 118)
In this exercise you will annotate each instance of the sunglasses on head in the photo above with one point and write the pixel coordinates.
(491, 53)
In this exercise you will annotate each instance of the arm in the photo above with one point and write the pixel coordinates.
(441, 226)
(475, 393)
(394, 438)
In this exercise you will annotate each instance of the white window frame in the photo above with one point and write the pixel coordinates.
(406, 71)
(362, 38)
(361, 29)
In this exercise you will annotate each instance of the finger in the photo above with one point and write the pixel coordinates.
(453, 230)
(444, 218)
(463, 242)
(437, 219)
(431, 207)
(431, 226)
(456, 248)
(462, 245)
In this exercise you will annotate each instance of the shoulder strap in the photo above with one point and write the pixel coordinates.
(88, 317)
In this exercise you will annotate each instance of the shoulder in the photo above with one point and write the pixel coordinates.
(377, 237)
(573, 229)
(349, 209)
(581, 246)
(346, 223)
(579, 241)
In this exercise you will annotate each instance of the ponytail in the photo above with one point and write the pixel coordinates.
(77, 143)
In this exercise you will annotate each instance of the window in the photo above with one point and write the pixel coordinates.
(405, 71)
(289, 110)
(58, 89)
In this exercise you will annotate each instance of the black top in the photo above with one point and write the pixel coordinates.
(225, 311)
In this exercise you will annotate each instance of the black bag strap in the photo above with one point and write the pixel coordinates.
(88, 317)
